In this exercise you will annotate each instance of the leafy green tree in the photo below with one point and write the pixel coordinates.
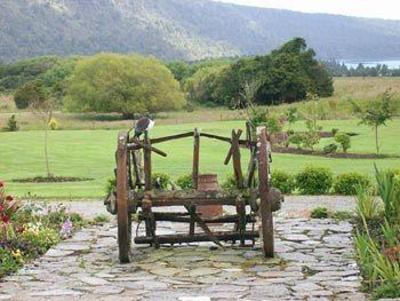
(344, 140)
(376, 113)
(29, 93)
(201, 86)
(124, 84)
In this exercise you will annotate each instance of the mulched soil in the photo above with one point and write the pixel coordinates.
(51, 179)
(297, 151)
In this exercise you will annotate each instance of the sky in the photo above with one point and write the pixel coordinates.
(385, 9)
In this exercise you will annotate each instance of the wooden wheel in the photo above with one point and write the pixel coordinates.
(264, 190)
(123, 216)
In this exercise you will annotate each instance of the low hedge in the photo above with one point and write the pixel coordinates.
(314, 180)
(347, 183)
(284, 181)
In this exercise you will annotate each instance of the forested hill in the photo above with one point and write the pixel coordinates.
(188, 29)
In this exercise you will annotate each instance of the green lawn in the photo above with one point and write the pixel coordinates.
(90, 153)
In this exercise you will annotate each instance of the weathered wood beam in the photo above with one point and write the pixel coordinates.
(147, 162)
(185, 218)
(172, 137)
(176, 239)
(266, 203)
(196, 159)
(139, 145)
(122, 198)
(237, 165)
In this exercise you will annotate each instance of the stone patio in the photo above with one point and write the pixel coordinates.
(314, 261)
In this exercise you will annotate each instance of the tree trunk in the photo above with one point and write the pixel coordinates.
(376, 140)
(46, 155)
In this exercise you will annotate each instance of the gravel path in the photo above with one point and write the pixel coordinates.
(294, 206)
(314, 261)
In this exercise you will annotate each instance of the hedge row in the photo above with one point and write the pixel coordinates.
(319, 180)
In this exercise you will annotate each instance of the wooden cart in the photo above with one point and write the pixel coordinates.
(134, 193)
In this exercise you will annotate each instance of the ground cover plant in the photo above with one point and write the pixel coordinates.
(377, 237)
(29, 230)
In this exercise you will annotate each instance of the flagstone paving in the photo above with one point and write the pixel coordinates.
(314, 261)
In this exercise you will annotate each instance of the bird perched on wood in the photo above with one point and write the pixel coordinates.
(142, 125)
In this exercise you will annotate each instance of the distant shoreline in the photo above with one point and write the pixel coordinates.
(392, 64)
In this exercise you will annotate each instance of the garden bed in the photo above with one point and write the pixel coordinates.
(300, 151)
(52, 179)
(29, 230)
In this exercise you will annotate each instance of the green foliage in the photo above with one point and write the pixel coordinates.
(202, 84)
(314, 180)
(160, 180)
(376, 113)
(274, 124)
(320, 212)
(185, 182)
(40, 238)
(29, 230)
(389, 191)
(124, 84)
(334, 131)
(296, 139)
(12, 125)
(367, 206)
(292, 115)
(311, 137)
(32, 92)
(9, 263)
(284, 181)
(101, 219)
(330, 148)
(285, 75)
(53, 124)
(111, 185)
(342, 215)
(229, 182)
(14, 76)
(344, 140)
(348, 183)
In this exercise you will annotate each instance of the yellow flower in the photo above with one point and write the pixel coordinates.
(18, 256)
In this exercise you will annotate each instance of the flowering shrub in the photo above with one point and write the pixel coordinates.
(30, 230)
(8, 206)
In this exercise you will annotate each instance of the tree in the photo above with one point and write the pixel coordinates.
(376, 113)
(31, 92)
(344, 140)
(201, 86)
(36, 97)
(126, 84)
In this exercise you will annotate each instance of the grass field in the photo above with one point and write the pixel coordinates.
(90, 153)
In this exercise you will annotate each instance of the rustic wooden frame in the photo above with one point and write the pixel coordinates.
(131, 195)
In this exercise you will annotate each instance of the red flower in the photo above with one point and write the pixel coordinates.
(1, 208)
(5, 219)
(9, 198)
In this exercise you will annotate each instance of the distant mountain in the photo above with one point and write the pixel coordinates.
(184, 29)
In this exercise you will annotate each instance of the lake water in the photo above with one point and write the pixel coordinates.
(392, 64)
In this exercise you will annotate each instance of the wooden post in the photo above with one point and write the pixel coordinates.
(253, 155)
(196, 159)
(241, 222)
(237, 166)
(265, 206)
(147, 162)
(122, 198)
